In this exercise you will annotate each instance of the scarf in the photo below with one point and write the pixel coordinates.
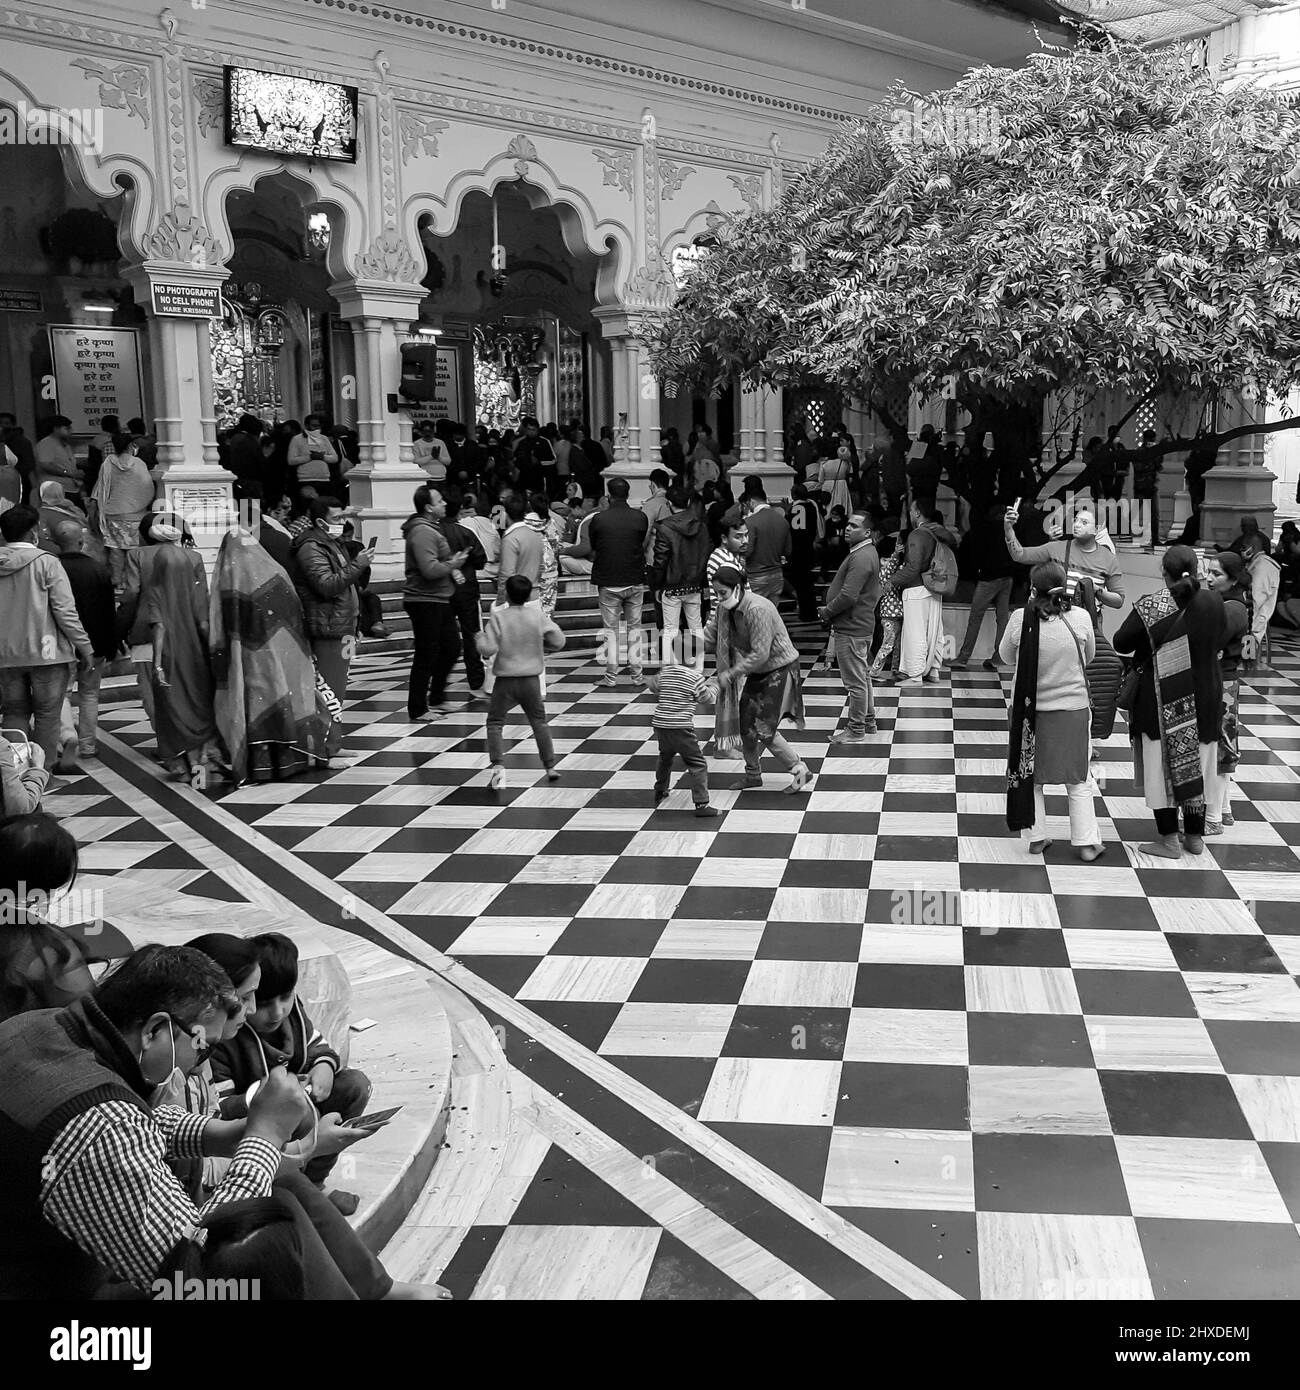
(726, 718)
(1024, 720)
(1171, 669)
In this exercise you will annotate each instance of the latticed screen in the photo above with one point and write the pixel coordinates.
(569, 373)
(814, 412)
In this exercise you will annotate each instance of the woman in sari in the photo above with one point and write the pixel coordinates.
(758, 680)
(174, 611)
(272, 720)
(1229, 578)
(1174, 637)
(1050, 642)
(121, 500)
(543, 520)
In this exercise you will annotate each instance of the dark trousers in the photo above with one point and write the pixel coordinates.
(803, 578)
(674, 743)
(348, 1098)
(525, 691)
(333, 657)
(311, 1253)
(437, 645)
(469, 618)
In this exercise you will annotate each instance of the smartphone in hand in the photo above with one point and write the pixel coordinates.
(375, 1120)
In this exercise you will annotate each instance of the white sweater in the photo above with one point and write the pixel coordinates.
(1061, 682)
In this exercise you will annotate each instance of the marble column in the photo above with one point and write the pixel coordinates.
(761, 450)
(636, 402)
(183, 413)
(382, 483)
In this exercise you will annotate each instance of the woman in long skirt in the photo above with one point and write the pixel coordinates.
(1050, 642)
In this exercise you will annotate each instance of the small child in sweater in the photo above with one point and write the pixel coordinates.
(890, 610)
(519, 638)
(680, 688)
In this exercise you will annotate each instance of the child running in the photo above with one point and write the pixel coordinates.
(680, 688)
(519, 638)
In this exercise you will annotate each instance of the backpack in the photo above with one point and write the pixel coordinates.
(941, 576)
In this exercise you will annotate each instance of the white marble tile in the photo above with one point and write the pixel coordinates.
(1118, 950)
(1287, 949)
(936, 1037)
(1217, 916)
(1199, 1179)
(589, 979)
(991, 909)
(840, 847)
(569, 1264)
(1037, 1100)
(391, 868)
(566, 868)
(692, 939)
(743, 822)
(669, 1030)
(1259, 998)
(1112, 878)
(440, 899)
(818, 905)
(910, 943)
(772, 1091)
(916, 875)
(1271, 1105)
(907, 1170)
(642, 900)
(821, 984)
(509, 936)
(507, 842)
(1121, 1043)
(719, 872)
(1020, 989)
(1044, 1255)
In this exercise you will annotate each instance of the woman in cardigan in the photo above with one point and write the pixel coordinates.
(758, 680)
(1175, 637)
(1229, 579)
(1050, 642)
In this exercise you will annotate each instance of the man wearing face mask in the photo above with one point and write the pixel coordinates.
(325, 576)
(83, 1160)
(1081, 555)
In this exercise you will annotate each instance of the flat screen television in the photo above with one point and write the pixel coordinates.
(291, 115)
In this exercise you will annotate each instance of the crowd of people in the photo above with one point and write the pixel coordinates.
(176, 1108)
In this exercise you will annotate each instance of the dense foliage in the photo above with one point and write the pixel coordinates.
(1113, 218)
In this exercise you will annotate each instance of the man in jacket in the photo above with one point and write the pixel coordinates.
(243, 456)
(806, 531)
(616, 546)
(769, 542)
(41, 635)
(460, 533)
(995, 573)
(656, 507)
(522, 546)
(92, 592)
(325, 577)
(681, 553)
(850, 613)
(1265, 581)
(273, 533)
(922, 610)
(431, 570)
(55, 461)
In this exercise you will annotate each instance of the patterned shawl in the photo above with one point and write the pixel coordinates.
(1024, 720)
(268, 710)
(1171, 668)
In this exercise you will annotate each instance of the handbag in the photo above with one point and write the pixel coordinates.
(1126, 699)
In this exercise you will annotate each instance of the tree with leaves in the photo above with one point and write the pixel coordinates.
(1104, 218)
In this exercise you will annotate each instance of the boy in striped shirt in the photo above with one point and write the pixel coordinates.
(680, 688)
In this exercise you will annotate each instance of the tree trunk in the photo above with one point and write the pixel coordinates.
(1017, 429)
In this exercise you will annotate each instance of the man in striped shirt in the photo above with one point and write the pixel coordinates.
(735, 542)
(90, 1196)
(680, 688)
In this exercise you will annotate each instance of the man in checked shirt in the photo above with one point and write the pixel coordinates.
(88, 1193)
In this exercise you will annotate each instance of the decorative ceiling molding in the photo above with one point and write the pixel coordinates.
(180, 237)
(389, 258)
(419, 134)
(672, 176)
(589, 61)
(617, 166)
(522, 150)
(750, 188)
(124, 88)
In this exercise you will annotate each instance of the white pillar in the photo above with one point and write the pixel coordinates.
(761, 444)
(193, 482)
(636, 401)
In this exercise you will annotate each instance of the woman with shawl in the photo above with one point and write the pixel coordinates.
(1050, 642)
(123, 495)
(543, 520)
(54, 508)
(1230, 579)
(270, 716)
(1175, 636)
(833, 478)
(758, 680)
(174, 611)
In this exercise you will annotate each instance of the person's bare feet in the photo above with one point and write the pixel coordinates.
(416, 1293)
(1166, 847)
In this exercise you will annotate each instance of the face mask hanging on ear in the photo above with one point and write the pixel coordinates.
(171, 1089)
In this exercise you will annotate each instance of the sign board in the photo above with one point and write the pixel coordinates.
(206, 508)
(21, 302)
(445, 403)
(186, 301)
(96, 373)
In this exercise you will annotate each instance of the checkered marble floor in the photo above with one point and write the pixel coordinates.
(1032, 1078)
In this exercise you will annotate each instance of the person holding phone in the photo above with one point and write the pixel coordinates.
(23, 777)
(431, 571)
(312, 453)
